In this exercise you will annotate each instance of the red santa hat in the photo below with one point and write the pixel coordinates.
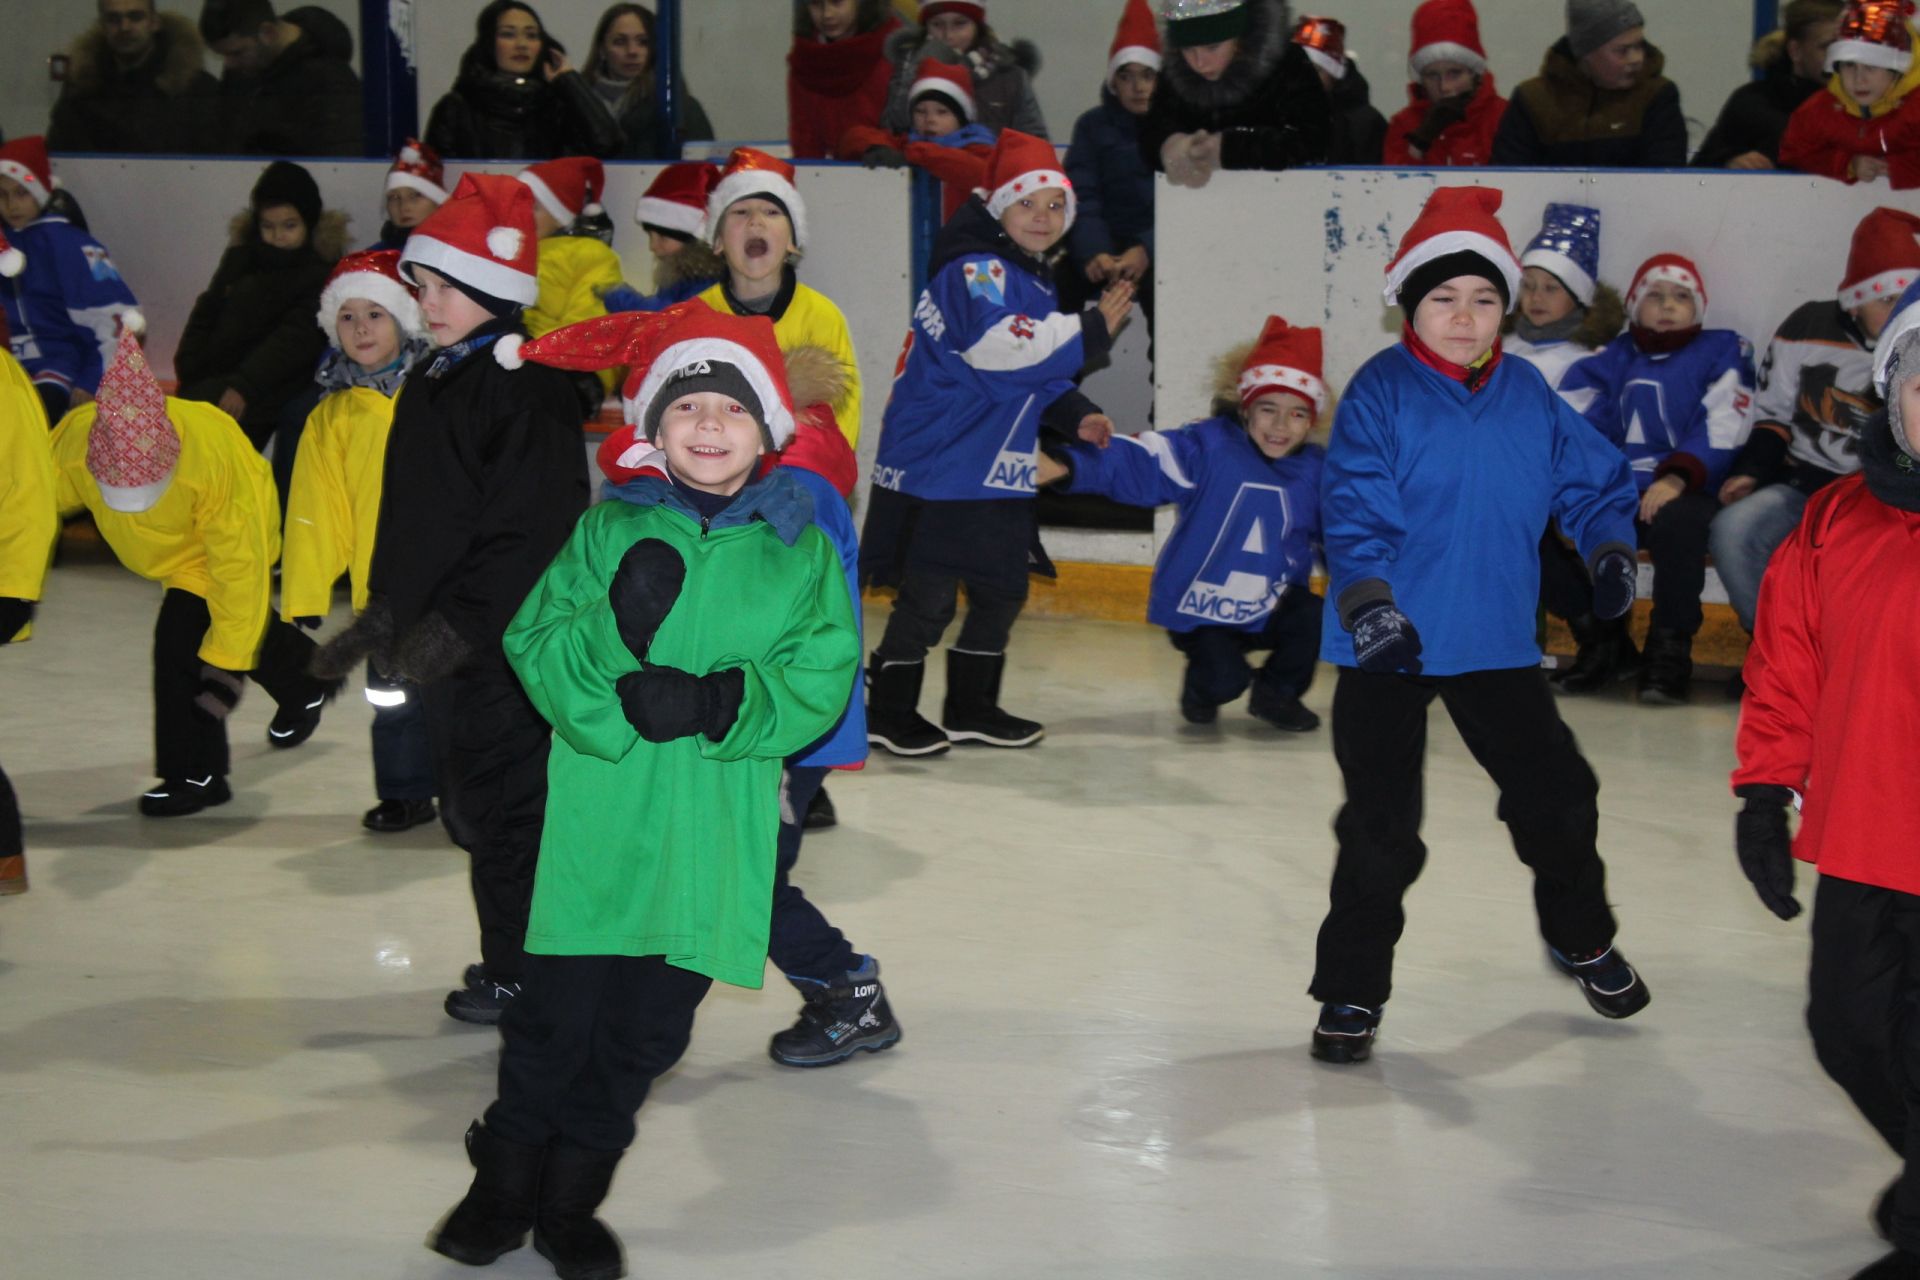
(1875, 33)
(1884, 260)
(417, 167)
(132, 447)
(1020, 165)
(1446, 31)
(1136, 42)
(1455, 220)
(954, 83)
(482, 237)
(1668, 268)
(973, 10)
(1324, 41)
(12, 261)
(25, 161)
(1285, 359)
(373, 274)
(676, 200)
(568, 187)
(750, 172)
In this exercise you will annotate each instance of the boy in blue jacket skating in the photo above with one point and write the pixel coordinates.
(989, 358)
(1233, 576)
(1446, 463)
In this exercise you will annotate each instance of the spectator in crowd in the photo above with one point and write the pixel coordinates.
(416, 186)
(620, 69)
(1599, 102)
(136, 81)
(944, 140)
(576, 267)
(1564, 313)
(671, 212)
(956, 31)
(1792, 63)
(837, 72)
(1241, 95)
(1112, 234)
(289, 87)
(1453, 109)
(1359, 132)
(1866, 126)
(518, 98)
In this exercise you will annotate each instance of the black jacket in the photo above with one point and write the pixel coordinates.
(1359, 132)
(1561, 119)
(166, 104)
(1268, 107)
(486, 475)
(307, 103)
(638, 123)
(1755, 117)
(492, 115)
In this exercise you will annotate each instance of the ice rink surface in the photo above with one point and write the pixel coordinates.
(222, 1052)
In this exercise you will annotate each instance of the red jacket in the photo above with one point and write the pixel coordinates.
(1824, 134)
(1468, 142)
(1832, 707)
(833, 87)
(960, 169)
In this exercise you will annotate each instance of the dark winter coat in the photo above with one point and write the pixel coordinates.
(166, 104)
(635, 114)
(1002, 81)
(307, 103)
(492, 115)
(1111, 181)
(1268, 107)
(1755, 117)
(1359, 132)
(1561, 119)
(252, 330)
(1468, 141)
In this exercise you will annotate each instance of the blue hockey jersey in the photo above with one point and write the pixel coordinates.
(1686, 411)
(1438, 496)
(987, 354)
(1247, 524)
(64, 309)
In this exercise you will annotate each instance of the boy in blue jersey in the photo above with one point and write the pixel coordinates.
(1233, 576)
(1446, 463)
(988, 360)
(1676, 399)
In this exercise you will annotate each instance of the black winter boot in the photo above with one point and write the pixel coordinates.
(565, 1232)
(1606, 655)
(839, 1019)
(1669, 668)
(500, 1206)
(1281, 710)
(972, 712)
(893, 710)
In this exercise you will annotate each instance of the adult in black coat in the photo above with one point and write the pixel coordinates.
(1792, 63)
(289, 87)
(620, 68)
(1359, 131)
(136, 82)
(518, 98)
(1236, 94)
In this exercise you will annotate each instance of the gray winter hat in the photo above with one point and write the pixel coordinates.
(1592, 23)
(1903, 362)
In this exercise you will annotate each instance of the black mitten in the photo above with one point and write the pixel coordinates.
(219, 690)
(1384, 640)
(14, 617)
(643, 590)
(884, 158)
(1761, 839)
(1441, 116)
(370, 636)
(665, 703)
(430, 650)
(1616, 580)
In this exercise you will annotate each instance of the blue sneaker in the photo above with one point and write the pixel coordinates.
(1608, 982)
(1345, 1033)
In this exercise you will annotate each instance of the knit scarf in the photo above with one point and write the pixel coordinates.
(1892, 474)
(1543, 334)
(839, 69)
(337, 373)
(1471, 376)
(1653, 343)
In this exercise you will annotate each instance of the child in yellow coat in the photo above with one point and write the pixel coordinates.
(576, 266)
(28, 526)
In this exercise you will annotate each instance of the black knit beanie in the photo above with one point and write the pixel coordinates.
(1431, 275)
(284, 182)
(707, 375)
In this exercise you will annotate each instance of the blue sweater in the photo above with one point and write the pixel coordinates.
(63, 310)
(1437, 497)
(1247, 524)
(1694, 402)
(1111, 181)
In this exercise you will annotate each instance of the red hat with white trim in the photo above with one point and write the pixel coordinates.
(1020, 165)
(25, 161)
(973, 10)
(12, 261)
(1285, 359)
(1669, 268)
(1446, 31)
(1137, 41)
(1875, 33)
(1324, 41)
(1884, 260)
(752, 173)
(676, 200)
(417, 167)
(372, 274)
(132, 447)
(1455, 220)
(949, 81)
(568, 187)
(481, 237)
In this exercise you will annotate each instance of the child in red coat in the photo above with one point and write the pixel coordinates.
(838, 75)
(1867, 124)
(1452, 107)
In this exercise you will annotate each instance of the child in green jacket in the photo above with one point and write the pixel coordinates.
(681, 648)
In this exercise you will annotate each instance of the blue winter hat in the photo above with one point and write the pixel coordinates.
(1568, 246)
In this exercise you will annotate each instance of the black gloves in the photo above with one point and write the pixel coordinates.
(219, 690)
(371, 635)
(14, 617)
(665, 703)
(1384, 640)
(884, 158)
(643, 590)
(1440, 116)
(430, 649)
(1616, 578)
(1766, 850)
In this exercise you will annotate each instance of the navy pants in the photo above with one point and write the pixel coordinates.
(801, 943)
(402, 755)
(1676, 542)
(1217, 666)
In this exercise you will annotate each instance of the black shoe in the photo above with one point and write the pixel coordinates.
(1194, 707)
(573, 1183)
(292, 726)
(893, 710)
(838, 1020)
(820, 814)
(972, 712)
(1606, 656)
(1345, 1033)
(398, 815)
(1281, 711)
(499, 1207)
(1737, 686)
(1898, 1265)
(177, 797)
(475, 977)
(482, 1004)
(1608, 982)
(1665, 678)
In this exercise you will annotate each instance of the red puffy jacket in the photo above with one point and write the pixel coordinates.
(1826, 132)
(833, 87)
(1466, 143)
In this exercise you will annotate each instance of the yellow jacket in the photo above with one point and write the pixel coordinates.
(333, 506)
(28, 521)
(215, 532)
(573, 272)
(811, 320)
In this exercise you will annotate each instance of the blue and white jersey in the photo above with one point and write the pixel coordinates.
(1697, 401)
(64, 309)
(1247, 527)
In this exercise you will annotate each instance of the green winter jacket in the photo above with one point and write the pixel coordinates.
(667, 849)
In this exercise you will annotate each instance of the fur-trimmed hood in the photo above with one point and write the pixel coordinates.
(816, 375)
(1604, 321)
(182, 57)
(1225, 391)
(329, 238)
(908, 45)
(1261, 47)
(696, 261)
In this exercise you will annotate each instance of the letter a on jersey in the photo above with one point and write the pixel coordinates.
(1235, 584)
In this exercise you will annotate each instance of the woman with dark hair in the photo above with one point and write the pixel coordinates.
(620, 70)
(518, 98)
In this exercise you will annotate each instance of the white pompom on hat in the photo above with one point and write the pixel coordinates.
(481, 237)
